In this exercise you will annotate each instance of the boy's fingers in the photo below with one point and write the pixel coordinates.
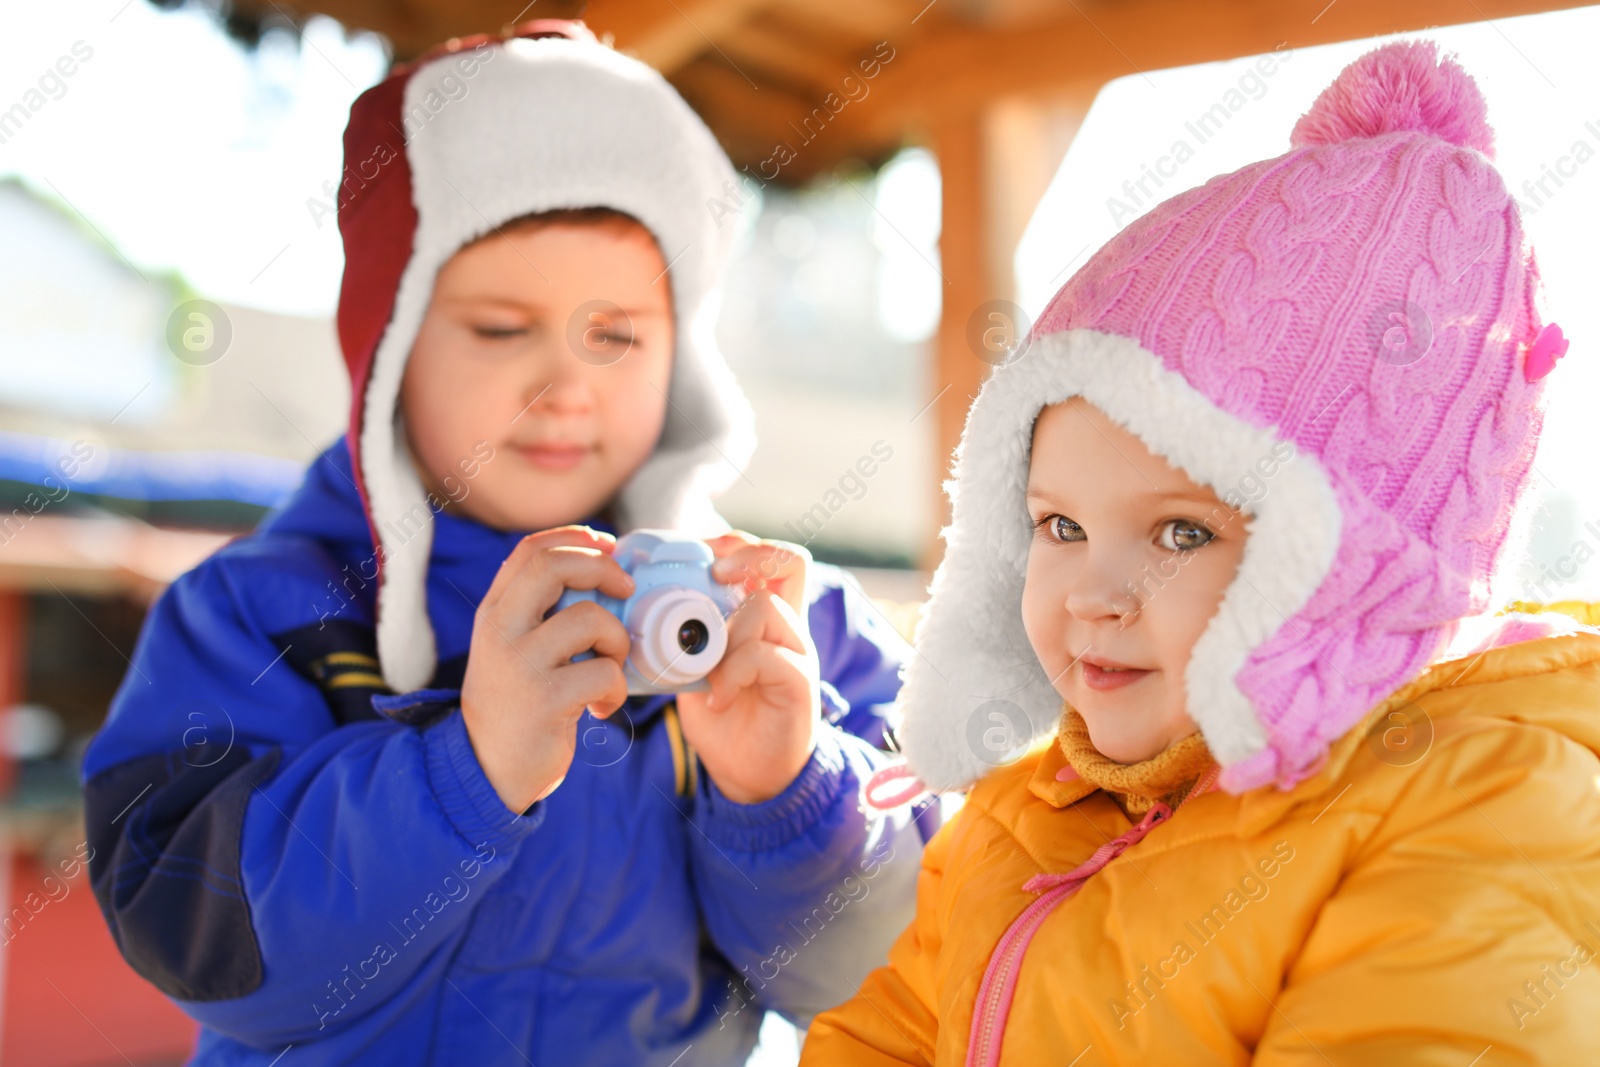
(723, 544)
(755, 664)
(766, 617)
(530, 584)
(738, 671)
(530, 594)
(757, 560)
(575, 531)
(775, 565)
(514, 565)
(580, 627)
(530, 546)
(598, 684)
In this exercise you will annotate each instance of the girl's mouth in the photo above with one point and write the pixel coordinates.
(1103, 678)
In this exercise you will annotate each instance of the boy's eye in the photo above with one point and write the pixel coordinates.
(1182, 535)
(499, 333)
(1061, 528)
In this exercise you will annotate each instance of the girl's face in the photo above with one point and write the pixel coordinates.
(1129, 562)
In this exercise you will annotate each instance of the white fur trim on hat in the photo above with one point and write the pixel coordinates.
(972, 648)
(541, 125)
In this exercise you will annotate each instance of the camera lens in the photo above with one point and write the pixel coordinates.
(693, 636)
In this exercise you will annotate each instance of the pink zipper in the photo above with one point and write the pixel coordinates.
(999, 986)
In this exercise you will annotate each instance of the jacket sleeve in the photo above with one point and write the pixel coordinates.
(1467, 923)
(893, 1017)
(861, 655)
(804, 893)
(275, 871)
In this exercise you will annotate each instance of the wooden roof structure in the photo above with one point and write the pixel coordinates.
(960, 79)
(755, 69)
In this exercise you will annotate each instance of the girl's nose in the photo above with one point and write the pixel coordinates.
(1103, 590)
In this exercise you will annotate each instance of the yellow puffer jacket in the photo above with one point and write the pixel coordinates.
(1430, 897)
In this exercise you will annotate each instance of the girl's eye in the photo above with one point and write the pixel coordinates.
(1061, 528)
(1185, 536)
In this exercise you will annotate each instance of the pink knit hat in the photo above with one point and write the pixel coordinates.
(1364, 303)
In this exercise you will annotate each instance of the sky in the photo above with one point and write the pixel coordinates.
(186, 152)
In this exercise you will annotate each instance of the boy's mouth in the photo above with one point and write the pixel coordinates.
(554, 457)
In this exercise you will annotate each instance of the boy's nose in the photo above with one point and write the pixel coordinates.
(566, 393)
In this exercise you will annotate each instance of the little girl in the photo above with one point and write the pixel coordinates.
(1245, 504)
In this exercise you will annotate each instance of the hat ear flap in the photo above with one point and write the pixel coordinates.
(976, 695)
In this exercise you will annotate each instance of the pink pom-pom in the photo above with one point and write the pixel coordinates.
(1401, 86)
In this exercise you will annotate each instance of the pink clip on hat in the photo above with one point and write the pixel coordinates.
(1548, 347)
(1366, 297)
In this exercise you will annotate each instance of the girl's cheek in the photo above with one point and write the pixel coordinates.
(1041, 620)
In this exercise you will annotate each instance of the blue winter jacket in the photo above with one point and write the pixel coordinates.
(298, 871)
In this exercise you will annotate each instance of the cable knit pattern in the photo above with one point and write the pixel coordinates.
(1367, 297)
(1270, 290)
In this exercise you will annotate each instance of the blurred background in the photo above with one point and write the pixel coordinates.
(899, 232)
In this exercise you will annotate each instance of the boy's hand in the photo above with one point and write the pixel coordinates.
(521, 698)
(756, 728)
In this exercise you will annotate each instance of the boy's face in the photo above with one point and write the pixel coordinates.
(1129, 561)
(522, 349)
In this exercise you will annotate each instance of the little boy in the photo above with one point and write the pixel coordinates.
(354, 797)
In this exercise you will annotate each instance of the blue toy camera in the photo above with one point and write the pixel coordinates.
(677, 616)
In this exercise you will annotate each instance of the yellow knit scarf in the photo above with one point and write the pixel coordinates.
(1167, 776)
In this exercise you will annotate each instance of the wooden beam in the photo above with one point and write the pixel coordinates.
(968, 282)
(739, 113)
(413, 28)
(864, 20)
(777, 135)
(944, 72)
(782, 114)
(1025, 139)
(774, 53)
(669, 34)
(954, 70)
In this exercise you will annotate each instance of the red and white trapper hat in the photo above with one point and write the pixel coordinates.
(473, 135)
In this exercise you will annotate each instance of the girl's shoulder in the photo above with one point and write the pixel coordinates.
(1023, 807)
(1513, 727)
